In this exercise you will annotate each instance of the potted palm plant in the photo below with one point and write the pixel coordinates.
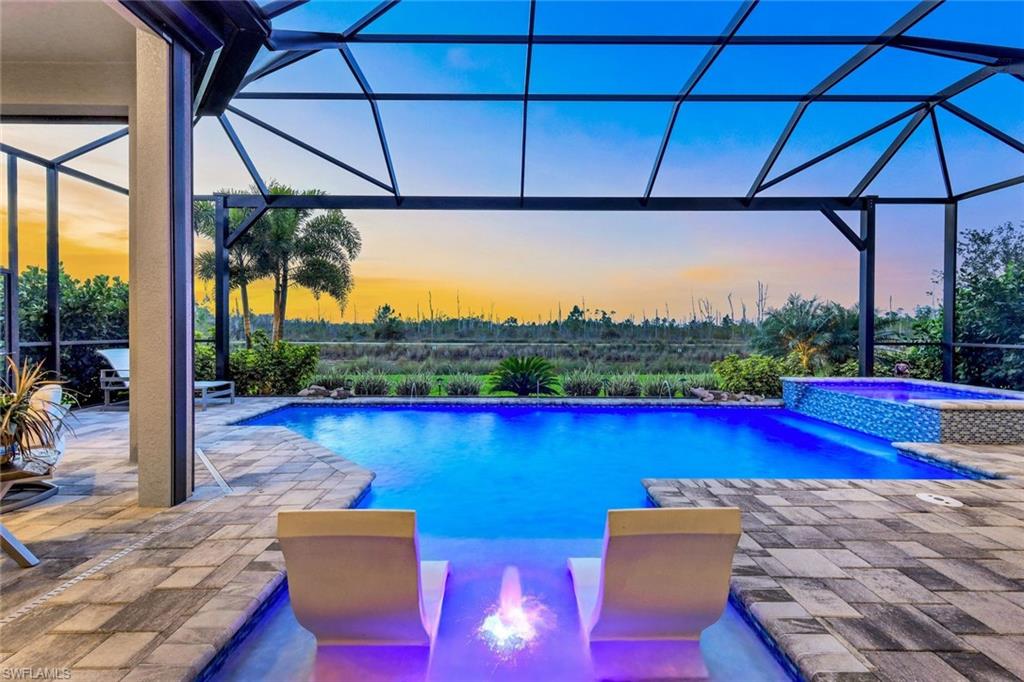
(27, 420)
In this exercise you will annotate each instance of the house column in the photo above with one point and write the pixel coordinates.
(160, 272)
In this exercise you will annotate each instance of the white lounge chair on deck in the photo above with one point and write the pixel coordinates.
(355, 577)
(115, 379)
(664, 574)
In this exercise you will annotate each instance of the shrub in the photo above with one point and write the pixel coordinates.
(663, 386)
(582, 383)
(415, 385)
(707, 380)
(525, 375)
(464, 384)
(757, 374)
(273, 368)
(623, 386)
(333, 378)
(371, 383)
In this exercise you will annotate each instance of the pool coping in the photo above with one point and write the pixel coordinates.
(1015, 401)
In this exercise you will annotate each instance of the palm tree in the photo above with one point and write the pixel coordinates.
(244, 263)
(803, 326)
(312, 249)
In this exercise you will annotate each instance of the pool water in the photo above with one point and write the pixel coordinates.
(529, 486)
(553, 472)
(903, 391)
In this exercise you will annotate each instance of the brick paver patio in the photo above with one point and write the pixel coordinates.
(852, 580)
(862, 580)
(131, 593)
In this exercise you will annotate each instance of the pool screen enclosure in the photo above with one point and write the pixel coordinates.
(257, 47)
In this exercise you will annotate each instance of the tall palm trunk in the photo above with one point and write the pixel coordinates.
(246, 314)
(280, 303)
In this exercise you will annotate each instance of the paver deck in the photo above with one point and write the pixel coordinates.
(853, 580)
(131, 593)
(862, 580)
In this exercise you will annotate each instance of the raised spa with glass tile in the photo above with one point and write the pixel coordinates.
(528, 487)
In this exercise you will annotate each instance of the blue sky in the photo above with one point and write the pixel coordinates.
(525, 264)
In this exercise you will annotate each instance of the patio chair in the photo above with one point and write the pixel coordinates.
(115, 379)
(33, 471)
(355, 577)
(664, 574)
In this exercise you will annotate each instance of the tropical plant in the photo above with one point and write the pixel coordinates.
(463, 385)
(23, 425)
(313, 249)
(371, 383)
(808, 327)
(93, 308)
(524, 375)
(756, 374)
(582, 383)
(990, 305)
(245, 265)
(623, 386)
(415, 385)
(661, 386)
(268, 368)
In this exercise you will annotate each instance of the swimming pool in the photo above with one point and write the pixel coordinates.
(529, 486)
(553, 472)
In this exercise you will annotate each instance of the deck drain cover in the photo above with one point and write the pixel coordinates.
(941, 500)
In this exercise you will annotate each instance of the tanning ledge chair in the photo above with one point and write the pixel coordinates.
(663, 579)
(355, 577)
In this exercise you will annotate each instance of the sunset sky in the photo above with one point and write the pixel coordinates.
(527, 264)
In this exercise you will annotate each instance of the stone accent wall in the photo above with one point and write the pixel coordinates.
(892, 420)
(980, 421)
(982, 426)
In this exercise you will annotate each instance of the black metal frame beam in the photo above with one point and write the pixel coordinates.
(71, 172)
(526, 100)
(52, 317)
(866, 298)
(364, 85)
(638, 98)
(994, 187)
(86, 148)
(285, 39)
(11, 317)
(968, 81)
(983, 126)
(243, 154)
(309, 148)
(949, 265)
(905, 23)
(561, 203)
(941, 152)
(695, 77)
(222, 288)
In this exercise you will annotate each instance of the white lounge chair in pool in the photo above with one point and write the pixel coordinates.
(355, 577)
(34, 470)
(115, 379)
(664, 574)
